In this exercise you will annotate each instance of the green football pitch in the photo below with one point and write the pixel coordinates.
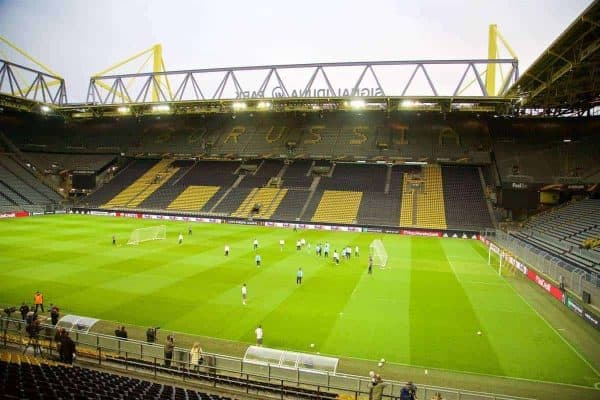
(424, 310)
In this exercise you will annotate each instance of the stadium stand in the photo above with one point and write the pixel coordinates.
(57, 162)
(291, 205)
(297, 174)
(193, 198)
(430, 200)
(562, 232)
(21, 188)
(32, 378)
(144, 186)
(130, 172)
(464, 198)
(338, 206)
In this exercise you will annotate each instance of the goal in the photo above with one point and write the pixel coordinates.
(377, 251)
(150, 233)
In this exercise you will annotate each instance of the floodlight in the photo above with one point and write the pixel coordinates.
(45, 108)
(123, 110)
(264, 105)
(239, 105)
(161, 108)
(567, 140)
(409, 103)
(357, 104)
(316, 107)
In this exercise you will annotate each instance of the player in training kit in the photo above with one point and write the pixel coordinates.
(298, 244)
(370, 265)
(189, 230)
(255, 244)
(114, 240)
(259, 335)
(180, 240)
(336, 257)
(326, 250)
(299, 276)
(257, 259)
(356, 251)
(244, 294)
(226, 250)
(281, 243)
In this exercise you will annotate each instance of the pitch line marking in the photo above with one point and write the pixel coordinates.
(554, 330)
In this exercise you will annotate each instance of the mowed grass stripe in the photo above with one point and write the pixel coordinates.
(407, 314)
(375, 320)
(443, 323)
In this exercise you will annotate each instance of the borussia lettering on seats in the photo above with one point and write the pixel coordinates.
(274, 134)
(359, 135)
(235, 132)
(315, 133)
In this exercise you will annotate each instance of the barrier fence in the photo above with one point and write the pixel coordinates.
(219, 370)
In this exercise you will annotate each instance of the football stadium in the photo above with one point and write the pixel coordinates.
(343, 230)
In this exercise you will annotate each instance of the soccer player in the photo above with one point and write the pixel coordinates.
(326, 250)
(356, 251)
(180, 240)
(281, 243)
(318, 249)
(114, 240)
(302, 242)
(244, 293)
(370, 265)
(343, 253)
(336, 257)
(190, 230)
(259, 335)
(299, 276)
(348, 252)
(226, 250)
(298, 244)
(255, 244)
(257, 259)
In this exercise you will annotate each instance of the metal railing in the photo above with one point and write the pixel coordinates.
(575, 279)
(221, 371)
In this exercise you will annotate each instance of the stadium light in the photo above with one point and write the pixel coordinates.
(123, 110)
(316, 107)
(45, 109)
(161, 108)
(357, 104)
(239, 105)
(409, 103)
(566, 140)
(264, 105)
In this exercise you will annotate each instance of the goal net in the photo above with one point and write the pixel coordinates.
(145, 234)
(378, 253)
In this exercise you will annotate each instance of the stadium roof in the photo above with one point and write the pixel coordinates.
(565, 78)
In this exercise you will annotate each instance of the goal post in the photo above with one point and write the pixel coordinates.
(145, 234)
(378, 253)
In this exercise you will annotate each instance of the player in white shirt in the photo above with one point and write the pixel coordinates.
(259, 335)
(255, 244)
(226, 250)
(244, 294)
(336, 257)
(180, 240)
(356, 251)
(302, 242)
(281, 243)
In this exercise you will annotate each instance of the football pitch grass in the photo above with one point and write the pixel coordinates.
(424, 310)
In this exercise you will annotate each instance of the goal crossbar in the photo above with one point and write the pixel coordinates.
(145, 234)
